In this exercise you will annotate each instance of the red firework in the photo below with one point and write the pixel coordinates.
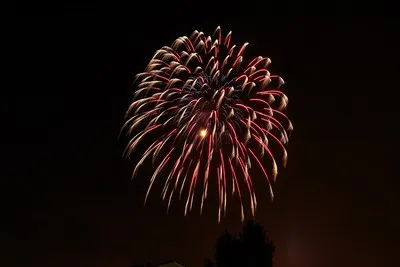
(213, 117)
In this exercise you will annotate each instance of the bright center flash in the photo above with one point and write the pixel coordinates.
(203, 133)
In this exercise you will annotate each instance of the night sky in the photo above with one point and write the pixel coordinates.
(69, 192)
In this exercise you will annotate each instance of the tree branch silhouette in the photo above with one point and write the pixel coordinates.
(251, 248)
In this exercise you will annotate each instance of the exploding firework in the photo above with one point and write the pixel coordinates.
(210, 117)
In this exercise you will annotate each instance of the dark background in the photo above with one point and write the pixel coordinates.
(69, 192)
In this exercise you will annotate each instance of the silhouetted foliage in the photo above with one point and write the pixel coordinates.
(250, 248)
(227, 250)
(208, 263)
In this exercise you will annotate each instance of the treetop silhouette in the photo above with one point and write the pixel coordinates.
(250, 248)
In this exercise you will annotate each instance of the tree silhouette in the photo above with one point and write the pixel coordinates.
(250, 248)
(257, 248)
(227, 251)
(208, 263)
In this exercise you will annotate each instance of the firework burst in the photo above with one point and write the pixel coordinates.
(209, 116)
